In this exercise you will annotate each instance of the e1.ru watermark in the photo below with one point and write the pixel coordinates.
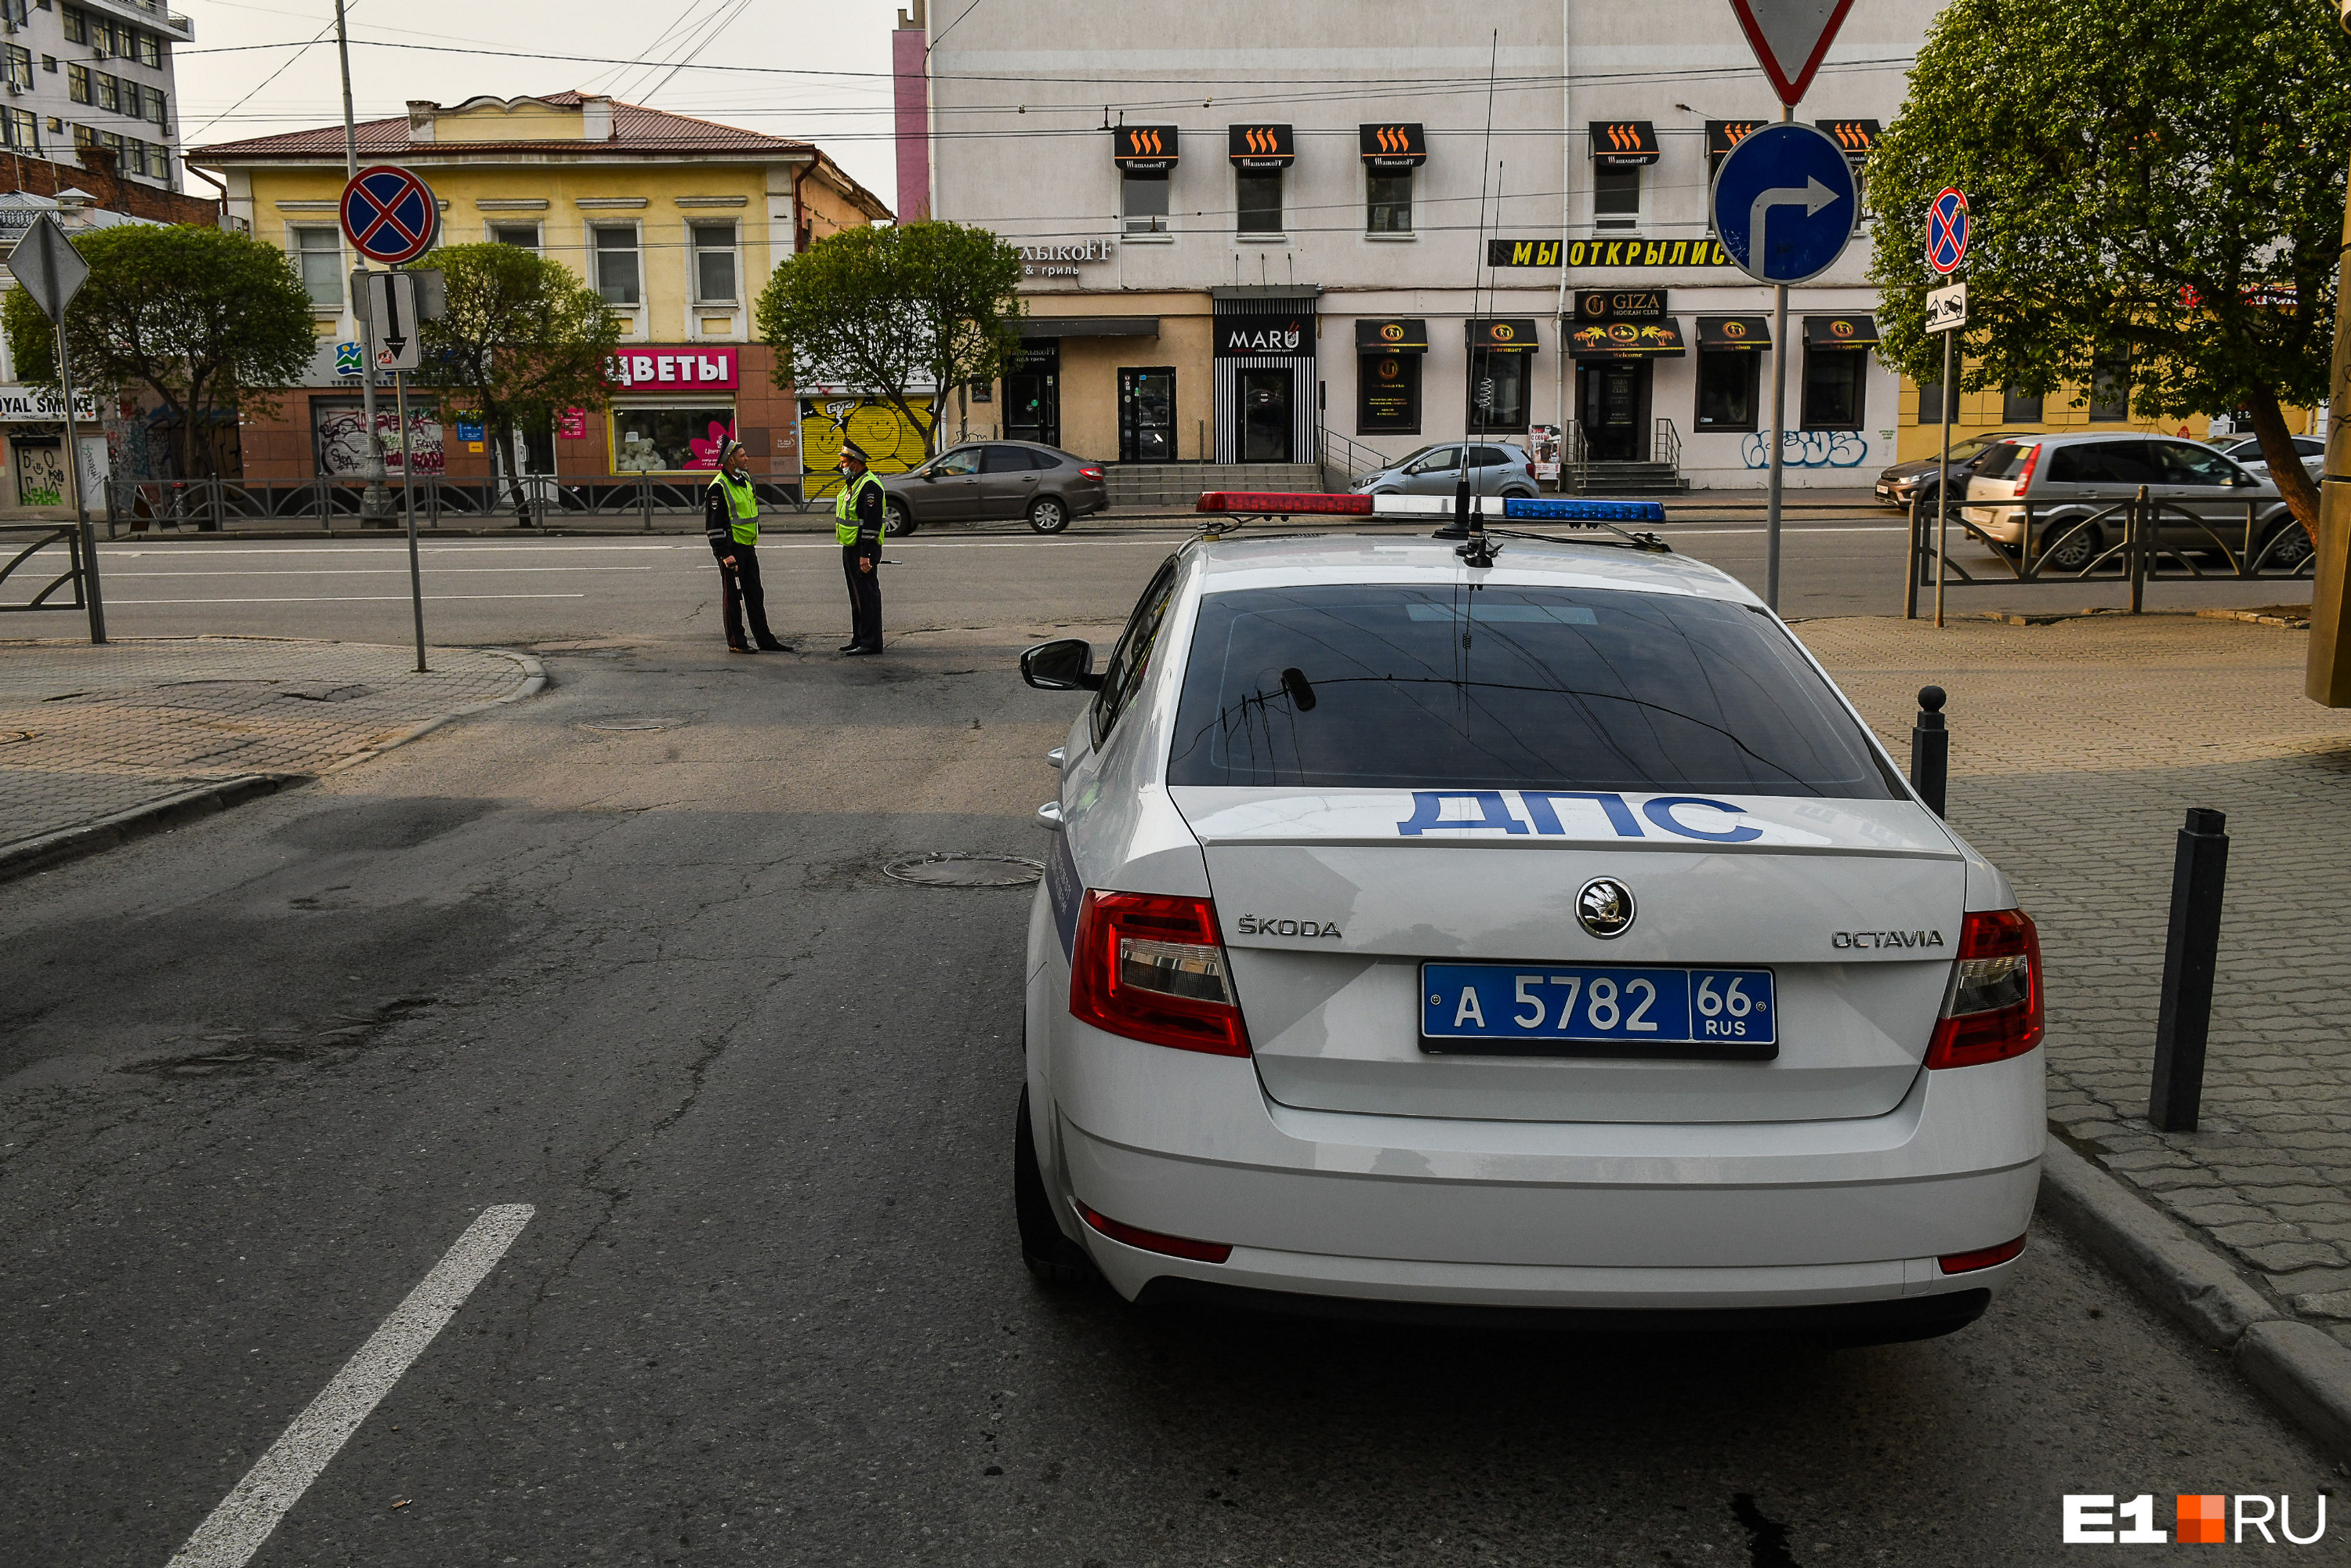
(2095, 1518)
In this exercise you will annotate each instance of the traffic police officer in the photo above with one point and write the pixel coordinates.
(859, 514)
(731, 522)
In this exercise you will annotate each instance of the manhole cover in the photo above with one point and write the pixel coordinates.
(965, 871)
(632, 721)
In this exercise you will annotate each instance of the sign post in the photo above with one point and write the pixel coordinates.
(1784, 203)
(389, 215)
(394, 304)
(1947, 312)
(48, 267)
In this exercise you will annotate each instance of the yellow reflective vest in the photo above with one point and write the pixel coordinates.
(743, 500)
(844, 509)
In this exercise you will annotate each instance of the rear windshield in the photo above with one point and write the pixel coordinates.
(1386, 687)
(2003, 462)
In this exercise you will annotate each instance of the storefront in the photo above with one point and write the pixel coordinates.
(1502, 373)
(1617, 337)
(1730, 353)
(1836, 371)
(1389, 355)
(673, 408)
(1264, 367)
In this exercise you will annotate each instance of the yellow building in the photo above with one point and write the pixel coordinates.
(677, 221)
(1921, 433)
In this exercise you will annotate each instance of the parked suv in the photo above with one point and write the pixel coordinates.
(2309, 448)
(981, 481)
(1494, 470)
(1900, 484)
(2073, 477)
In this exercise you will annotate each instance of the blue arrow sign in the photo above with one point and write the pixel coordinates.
(1785, 202)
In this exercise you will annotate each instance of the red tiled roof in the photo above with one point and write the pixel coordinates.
(635, 130)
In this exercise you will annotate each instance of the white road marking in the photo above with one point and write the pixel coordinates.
(347, 599)
(236, 1530)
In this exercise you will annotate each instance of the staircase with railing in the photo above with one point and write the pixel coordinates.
(1582, 473)
(1343, 461)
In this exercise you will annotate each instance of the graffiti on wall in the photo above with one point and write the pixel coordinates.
(343, 442)
(892, 446)
(1807, 449)
(40, 473)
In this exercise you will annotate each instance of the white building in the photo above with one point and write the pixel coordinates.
(93, 73)
(1255, 231)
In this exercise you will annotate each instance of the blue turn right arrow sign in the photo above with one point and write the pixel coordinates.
(1785, 202)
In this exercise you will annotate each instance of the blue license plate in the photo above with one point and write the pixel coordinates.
(1585, 1009)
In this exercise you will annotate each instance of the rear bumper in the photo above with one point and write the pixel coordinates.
(1633, 1216)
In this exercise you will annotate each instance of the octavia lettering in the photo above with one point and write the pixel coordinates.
(1874, 939)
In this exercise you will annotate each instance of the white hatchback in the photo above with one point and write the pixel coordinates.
(1423, 938)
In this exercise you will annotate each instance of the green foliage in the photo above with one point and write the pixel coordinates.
(523, 337)
(884, 309)
(2159, 181)
(205, 320)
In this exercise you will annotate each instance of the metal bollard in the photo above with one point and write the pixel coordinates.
(1930, 749)
(2191, 956)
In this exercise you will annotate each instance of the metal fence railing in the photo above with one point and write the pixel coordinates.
(2139, 540)
(39, 537)
(208, 505)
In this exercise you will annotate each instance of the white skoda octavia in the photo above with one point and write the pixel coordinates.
(1425, 939)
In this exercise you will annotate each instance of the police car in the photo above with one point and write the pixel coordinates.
(1422, 937)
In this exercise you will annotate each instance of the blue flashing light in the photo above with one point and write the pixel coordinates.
(1534, 510)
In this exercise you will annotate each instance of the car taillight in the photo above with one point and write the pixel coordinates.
(1994, 1011)
(1531, 470)
(1981, 1258)
(1154, 1242)
(2024, 475)
(1152, 967)
(1092, 473)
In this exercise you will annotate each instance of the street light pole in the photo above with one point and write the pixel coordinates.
(374, 502)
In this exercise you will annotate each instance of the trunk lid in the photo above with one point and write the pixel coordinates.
(1332, 900)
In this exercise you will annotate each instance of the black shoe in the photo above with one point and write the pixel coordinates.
(850, 647)
(863, 650)
(741, 648)
(772, 647)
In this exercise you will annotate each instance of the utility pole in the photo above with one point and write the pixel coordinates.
(2327, 678)
(375, 502)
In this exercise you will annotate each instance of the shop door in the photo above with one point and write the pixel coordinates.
(1615, 392)
(1032, 398)
(1147, 415)
(1265, 415)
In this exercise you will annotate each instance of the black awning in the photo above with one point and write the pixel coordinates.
(1840, 332)
(1144, 149)
(1623, 143)
(1394, 336)
(1722, 135)
(1626, 341)
(1258, 146)
(1857, 137)
(1396, 145)
(1505, 335)
(1088, 326)
(1734, 331)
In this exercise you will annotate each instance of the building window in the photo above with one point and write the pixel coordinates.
(21, 129)
(1834, 381)
(2110, 392)
(77, 26)
(670, 440)
(1726, 389)
(1389, 201)
(151, 51)
(78, 82)
(1387, 395)
(110, 93)
(319, 254)
(49, 63)
(2018, 406)
(1616, 198)
(1930, 403)
(1260, 199)
(713, 263)
(20, 67)
(1497, 392)
(522, 236)
(1144, 199)
(616, 263)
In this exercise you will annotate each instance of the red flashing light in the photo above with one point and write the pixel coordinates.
(1982, 1257)
(1995, 1009)
(1153, 1241)
(1152, 967)
(1277, 503)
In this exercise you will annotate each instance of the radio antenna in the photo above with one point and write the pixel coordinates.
(1469, 522)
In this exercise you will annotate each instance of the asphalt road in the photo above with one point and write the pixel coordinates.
(257, 1076)
(526, 590)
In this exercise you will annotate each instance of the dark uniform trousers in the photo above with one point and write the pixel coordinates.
(864, 593)
(744, 597)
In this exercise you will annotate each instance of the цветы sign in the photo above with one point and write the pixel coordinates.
(683, 369)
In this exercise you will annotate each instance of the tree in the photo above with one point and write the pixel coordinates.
(2157, 192)
(205, 320)
(522, 338)
(885, 310)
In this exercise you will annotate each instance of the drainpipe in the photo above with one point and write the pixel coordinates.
(1566, 180)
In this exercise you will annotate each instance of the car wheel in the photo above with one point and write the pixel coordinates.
(1048, 515)
(2285, 547)
(1518, 495)
(901, 521)
(1051, 1255)
(2073, 552)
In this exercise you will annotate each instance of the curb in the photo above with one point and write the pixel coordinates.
(2303, 1370)
(72, 843)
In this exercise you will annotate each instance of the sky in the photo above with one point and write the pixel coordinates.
(824, 75)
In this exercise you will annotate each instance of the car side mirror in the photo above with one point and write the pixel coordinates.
(1064, 664)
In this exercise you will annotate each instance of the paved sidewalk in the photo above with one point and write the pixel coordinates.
(88, 733)
(2076, 749)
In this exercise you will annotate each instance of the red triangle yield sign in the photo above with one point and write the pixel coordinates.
(1791, 38)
